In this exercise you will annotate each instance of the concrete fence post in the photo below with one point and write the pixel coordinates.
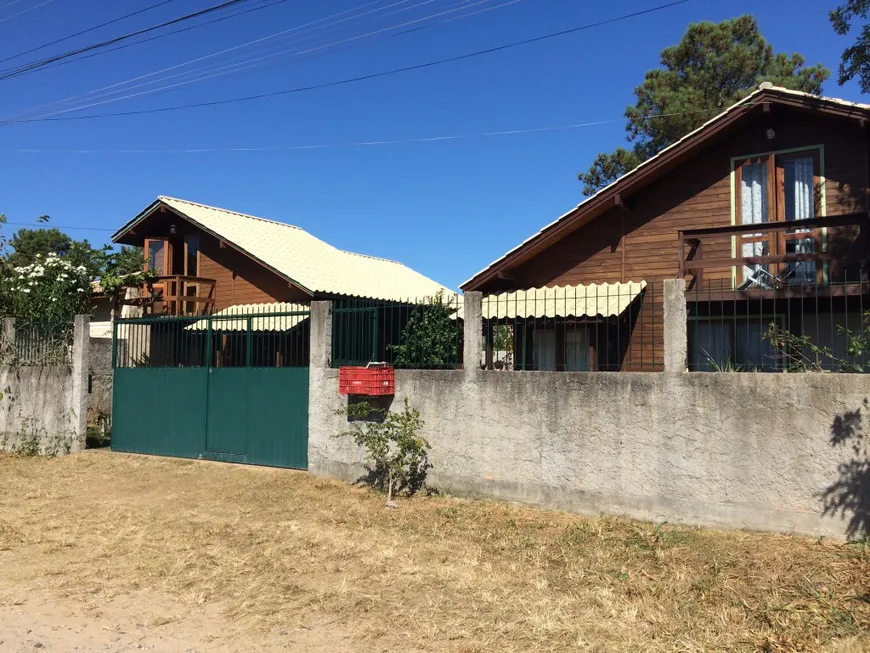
(80, 371)
(7, 337)
(321, 335)
(675, 329)
(473, 328)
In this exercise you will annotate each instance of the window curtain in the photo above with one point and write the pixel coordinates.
(711, 345)
(799, 205)
(545, 350)
(753, 210)
(577, 351)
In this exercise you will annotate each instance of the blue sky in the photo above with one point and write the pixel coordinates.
(446, 208)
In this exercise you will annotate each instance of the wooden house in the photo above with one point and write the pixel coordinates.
(762, 210)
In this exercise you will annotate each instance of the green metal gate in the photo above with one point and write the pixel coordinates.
(231, 387)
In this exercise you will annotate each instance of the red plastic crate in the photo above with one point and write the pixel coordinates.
(371, 381)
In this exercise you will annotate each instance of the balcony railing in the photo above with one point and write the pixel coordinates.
(178, 295)
(776, 255)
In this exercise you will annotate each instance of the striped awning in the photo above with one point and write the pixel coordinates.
(268, 318)
(604, 299)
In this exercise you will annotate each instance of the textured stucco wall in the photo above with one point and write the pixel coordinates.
(759, 451)
(47, 406)
(733, 450)
(100, 370)
(36, 405)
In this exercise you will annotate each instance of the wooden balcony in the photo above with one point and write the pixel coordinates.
(837, 245)
(178, 296)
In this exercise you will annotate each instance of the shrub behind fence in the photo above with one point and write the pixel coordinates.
(818, 327)
(422, 333)
(36, 343)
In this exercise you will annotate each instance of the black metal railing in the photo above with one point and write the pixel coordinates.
(270, 335)
(421, 333)
(35, 343)
(594, 328)
(819, 327)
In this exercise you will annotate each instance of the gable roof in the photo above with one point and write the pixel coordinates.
(302, 259)
(595, 205)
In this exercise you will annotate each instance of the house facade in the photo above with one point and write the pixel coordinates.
(209, 260)
(762, 210)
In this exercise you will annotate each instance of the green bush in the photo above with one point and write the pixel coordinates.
(397, 456)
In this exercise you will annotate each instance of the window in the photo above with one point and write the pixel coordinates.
(191, 263)
(155, 252)
(578, 353)
(731, 345)
(778, 187)
(545, 350)
(563, 348)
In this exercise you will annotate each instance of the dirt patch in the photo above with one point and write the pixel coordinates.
(143, 621)
(266, 551)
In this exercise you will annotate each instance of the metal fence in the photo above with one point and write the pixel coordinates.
(818, 327)
(269, 335)
(422, 333)
(37, 343)
(594, 328)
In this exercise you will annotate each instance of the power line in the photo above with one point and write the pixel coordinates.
(85, 31)
(48, 225)
(36, 65)
(220, 52)
(385, 73)
(369, 143)
(24, 11)
(241, 66)
(160, 36)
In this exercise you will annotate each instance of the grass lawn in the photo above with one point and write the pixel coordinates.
(272, 547)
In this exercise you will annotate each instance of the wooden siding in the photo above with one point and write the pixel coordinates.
(640, 243)
(240, 280)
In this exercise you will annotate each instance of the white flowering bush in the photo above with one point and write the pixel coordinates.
(49, 291)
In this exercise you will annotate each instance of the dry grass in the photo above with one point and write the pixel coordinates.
(275, 547)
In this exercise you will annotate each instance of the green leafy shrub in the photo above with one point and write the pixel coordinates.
(397, 456)
(50, 290)
(431, 338)
(800, 354)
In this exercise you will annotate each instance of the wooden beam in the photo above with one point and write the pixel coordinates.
(622, 245)
(506, 276)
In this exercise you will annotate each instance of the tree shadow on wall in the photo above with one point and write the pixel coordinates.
(849, 496)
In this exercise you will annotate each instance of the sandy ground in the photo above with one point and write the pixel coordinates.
(110, 552)
(144, 621)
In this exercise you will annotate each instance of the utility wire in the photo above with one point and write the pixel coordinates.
(47, 225)
(160, 36)
(85, 31)
(243, 65)
(351, 80)
(297, 28)
(369, 143)
(36, 65)
(24, 11)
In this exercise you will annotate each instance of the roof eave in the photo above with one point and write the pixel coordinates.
(158, 203)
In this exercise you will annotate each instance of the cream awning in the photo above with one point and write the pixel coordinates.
(233, 318)
(605, 299)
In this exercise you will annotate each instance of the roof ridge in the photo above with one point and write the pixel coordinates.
(243, 215)
(374, 258)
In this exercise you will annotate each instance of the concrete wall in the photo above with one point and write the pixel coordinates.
(45, 407)
(100, 379)
(760, 451)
